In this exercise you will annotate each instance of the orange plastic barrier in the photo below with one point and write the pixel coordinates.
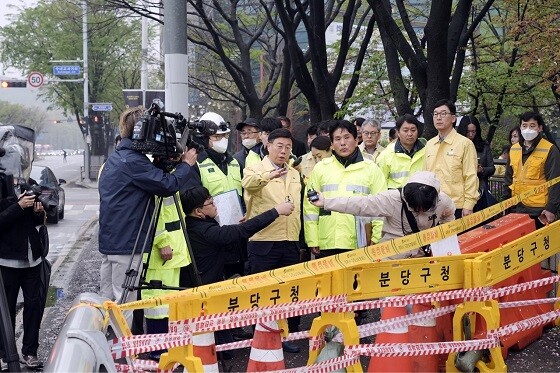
(489, 237)
(383, 364)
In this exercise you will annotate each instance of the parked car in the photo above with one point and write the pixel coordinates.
(51, 191)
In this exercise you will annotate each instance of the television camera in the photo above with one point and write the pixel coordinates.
(166, 135)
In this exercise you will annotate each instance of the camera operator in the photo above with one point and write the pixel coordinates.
(126, 187)
(20, 256)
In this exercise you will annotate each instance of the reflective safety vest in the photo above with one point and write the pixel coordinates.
(252, 159)
(398, 167)
(168, 233)
(216, 181)
(334, 230)
(530, 174)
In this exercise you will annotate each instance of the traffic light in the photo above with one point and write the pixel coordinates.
(13, 84)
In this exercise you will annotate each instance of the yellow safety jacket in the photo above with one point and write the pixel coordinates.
(531, 174)
(334, 230)
(168, 233)
(216, 181)
(252, 159)
(397, 167)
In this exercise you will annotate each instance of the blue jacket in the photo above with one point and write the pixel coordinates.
(126, 184)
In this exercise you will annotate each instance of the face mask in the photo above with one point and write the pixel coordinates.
(529, 134)
(249, 143)
(220, 146)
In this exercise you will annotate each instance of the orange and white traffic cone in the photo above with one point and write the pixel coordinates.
(424, 331)
(204, 347)
(266, 348)
(383, 364)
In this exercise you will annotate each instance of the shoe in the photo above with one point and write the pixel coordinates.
(3, 365)
(224, 355)
(155, 355)
(290, 347)
(31, 361)
(240, 335)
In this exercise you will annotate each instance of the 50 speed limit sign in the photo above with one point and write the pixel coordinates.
(35, 79)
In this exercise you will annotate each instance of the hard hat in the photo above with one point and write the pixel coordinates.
(223, 126)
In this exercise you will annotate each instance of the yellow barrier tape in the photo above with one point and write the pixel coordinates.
(498, 265)
(211, 297)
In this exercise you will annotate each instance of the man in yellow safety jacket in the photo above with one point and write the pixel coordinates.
(346, 173)
(531, 164)
(169, 254)
(405, 156)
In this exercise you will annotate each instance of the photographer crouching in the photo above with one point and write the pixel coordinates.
(20, 256)
(126, 187)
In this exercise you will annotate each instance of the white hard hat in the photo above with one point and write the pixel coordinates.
(223, 126)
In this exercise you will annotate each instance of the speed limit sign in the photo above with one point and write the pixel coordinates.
(35, 79)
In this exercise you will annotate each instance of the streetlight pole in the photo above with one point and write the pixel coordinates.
(176, 60)
(87, 157)
(144, 67)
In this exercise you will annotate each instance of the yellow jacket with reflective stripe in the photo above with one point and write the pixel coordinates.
(168, 233)
(398, 167)
(261, 194)
(531, 174)
(216, 181)
(334, 230)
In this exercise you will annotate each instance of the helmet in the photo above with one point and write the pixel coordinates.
(223, 126)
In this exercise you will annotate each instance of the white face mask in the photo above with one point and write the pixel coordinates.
(249, 143)
(220, 146)
(529, 134)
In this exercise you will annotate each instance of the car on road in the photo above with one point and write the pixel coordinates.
(51, 191)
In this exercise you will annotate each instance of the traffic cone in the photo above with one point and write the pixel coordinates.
(204, 347)
(384, 364)
(424, 331)
(266, 348)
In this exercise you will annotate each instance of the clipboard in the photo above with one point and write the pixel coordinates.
(229, 208)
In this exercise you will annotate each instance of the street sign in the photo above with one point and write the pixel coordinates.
(35, 79)
(67, 70)
(102, 107)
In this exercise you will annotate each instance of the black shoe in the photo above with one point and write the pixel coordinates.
(290, 347)
(240, 335)
(32, 362)
(224, 355)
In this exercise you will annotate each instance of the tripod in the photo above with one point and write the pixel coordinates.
(132, 273)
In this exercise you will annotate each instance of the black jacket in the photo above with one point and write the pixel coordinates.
(209, 241)
(127, 183)
(17, 229)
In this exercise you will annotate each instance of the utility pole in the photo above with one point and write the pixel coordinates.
(87, 156)
(144, 67)
(176, 59)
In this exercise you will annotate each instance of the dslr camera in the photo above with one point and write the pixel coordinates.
(35, 190)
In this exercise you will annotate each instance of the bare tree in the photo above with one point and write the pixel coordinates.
(435, 60)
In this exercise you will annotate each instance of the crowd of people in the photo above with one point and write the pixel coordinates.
(366, 193)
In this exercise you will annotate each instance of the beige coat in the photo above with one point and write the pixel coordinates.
(389, 205)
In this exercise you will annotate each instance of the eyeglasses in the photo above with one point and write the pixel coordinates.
(281, 147)
(209, 203)
(220, 136)
(443, 114)
(247, 133)
(368, 134)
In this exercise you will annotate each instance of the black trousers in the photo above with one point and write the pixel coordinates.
(29, 281)
(267, 255)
